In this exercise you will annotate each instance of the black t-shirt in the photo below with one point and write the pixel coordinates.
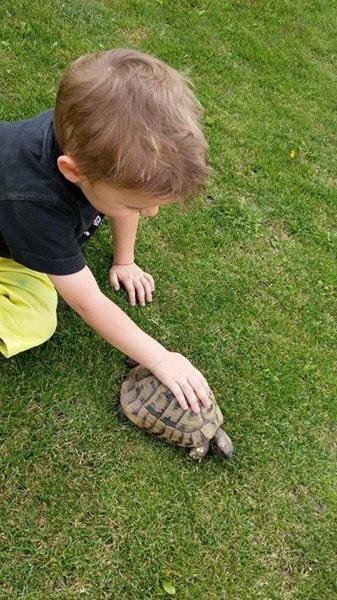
(44, 218)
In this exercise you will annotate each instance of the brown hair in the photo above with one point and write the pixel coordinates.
(129, 119)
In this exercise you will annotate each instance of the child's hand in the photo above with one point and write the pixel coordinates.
(187, 383)
(138, 284)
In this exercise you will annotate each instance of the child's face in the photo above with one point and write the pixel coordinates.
(119, 203)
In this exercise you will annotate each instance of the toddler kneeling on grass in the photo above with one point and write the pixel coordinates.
(124, 139)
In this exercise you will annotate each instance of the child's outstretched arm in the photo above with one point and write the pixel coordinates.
(138, 284)
(82, 293)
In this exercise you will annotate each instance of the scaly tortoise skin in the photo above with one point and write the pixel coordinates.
(152, 406)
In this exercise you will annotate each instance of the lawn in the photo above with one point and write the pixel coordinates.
(93, 508)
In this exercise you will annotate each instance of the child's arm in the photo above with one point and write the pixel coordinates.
(82, 293)
(138, 284)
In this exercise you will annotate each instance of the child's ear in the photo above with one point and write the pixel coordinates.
(69, 168)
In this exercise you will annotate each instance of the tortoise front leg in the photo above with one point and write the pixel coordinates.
(199, 452)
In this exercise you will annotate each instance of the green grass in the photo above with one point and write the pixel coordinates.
(246, 288)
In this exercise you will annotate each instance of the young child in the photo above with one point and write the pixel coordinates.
(123, 140)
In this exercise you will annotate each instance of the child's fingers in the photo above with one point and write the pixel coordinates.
(150, 279)
(179, 395)
(140, 292)
(200, 390)
(203, 382)
(143, 291)
(131, 292)
(190, 397)
(138, 285)
(147, 289)
(114, 281)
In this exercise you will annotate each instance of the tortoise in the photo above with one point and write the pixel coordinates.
(152, 406)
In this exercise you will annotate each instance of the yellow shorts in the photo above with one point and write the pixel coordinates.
(28, 303)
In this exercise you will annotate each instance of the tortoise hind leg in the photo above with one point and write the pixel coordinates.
(221, 444)
(198, 452)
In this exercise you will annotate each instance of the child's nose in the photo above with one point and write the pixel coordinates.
(149, 212)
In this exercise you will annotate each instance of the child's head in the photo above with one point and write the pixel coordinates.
(128, 119)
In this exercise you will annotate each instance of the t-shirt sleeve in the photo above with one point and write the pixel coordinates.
(41, 237)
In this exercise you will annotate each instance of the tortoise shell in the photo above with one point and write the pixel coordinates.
(152, 406)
